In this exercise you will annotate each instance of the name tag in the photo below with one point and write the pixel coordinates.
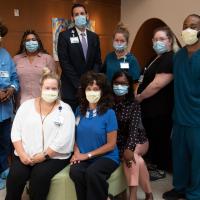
(4, 74)
(124, 65)
(74, 40)
(59, 121)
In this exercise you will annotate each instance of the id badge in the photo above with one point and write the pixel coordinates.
(124, 65)
(141, 78)
(59, 121)
(74, 40)
(4, 74)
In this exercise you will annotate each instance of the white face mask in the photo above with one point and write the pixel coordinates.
(50, 95)
(189, 36)
(93, 96)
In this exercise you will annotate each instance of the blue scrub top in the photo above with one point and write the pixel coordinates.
(8, 78)
(187, 88)
(91, 132)
(112, 65)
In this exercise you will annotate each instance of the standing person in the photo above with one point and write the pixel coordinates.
(30, 60)
(95, 152)
(186, 115)
(9, 84)
(43, 138)
(78, 52)
(131, 139)
(120, 58)
(155, 93)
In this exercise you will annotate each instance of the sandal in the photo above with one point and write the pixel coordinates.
(156, 174)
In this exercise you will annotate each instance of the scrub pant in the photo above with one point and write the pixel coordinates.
(186, 160)
(5, 143)
(90, 178)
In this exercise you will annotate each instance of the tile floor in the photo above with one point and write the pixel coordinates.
(158, 187)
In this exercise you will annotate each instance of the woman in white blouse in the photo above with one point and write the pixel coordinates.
(43, 138)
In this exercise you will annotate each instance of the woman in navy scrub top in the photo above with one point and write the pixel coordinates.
(95, 152)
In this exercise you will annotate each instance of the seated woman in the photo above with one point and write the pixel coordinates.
(131, 140)
(43, 138)
(31, 58)
(95, 153)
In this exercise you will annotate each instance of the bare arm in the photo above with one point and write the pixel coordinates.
(109, 146)
(159, 82)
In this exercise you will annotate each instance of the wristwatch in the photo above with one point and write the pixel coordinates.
(46, 156)
(89, 155)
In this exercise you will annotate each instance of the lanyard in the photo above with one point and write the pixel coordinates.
(145, 69)
(43, 119)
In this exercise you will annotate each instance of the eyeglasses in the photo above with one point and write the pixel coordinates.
(159, 39)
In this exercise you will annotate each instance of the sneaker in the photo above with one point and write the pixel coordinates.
(2, 184)
(156, 174)
(4, 174)
(173, 195)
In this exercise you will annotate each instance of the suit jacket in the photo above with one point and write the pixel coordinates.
(73, 62)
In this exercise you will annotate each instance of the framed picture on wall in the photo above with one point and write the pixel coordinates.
(61, 24)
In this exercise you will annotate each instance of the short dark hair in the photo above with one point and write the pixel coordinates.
(22, 48)
(106, 101)
(76, 5)
(130, 94)
(3, 30)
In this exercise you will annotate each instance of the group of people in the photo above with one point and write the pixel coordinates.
(97, 115)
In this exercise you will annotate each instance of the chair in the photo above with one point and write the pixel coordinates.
(62, 187)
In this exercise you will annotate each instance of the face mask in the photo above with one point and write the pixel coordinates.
(120, 90)
(119, 46)
(93, 96)
(189, 36)
(80, 21)
(31, 46)
(50, 95)
(160, 47)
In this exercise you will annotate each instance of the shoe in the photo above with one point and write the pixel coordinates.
(156, 174)
(173, 195)
(4, 174)
(149, 196)
(2, 184)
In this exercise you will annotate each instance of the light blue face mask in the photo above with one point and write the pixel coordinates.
(31, 46)
(80, 21)
(119, 46)
(160, 47)
(120, 90)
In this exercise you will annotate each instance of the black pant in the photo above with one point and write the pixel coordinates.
(158, 131)
(39, 176)
(90, 178)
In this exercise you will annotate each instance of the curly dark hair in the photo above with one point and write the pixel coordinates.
(3, 30)
(106, 101)
(130, 94)
(22, 48)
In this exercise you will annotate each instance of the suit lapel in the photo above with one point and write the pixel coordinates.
(89, 41)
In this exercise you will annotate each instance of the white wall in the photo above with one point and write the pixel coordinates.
(173, 12)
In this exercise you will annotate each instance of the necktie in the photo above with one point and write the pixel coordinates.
(84, 44)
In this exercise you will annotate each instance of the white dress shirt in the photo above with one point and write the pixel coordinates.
(58, 128)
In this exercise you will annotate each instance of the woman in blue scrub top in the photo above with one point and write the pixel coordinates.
(95, 152)
(120, 58)
(8, 85)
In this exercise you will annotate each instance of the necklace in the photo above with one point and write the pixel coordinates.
(43, 119)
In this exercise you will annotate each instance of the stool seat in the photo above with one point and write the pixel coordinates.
(62, 187)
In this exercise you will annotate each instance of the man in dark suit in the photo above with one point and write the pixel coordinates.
(78, 52)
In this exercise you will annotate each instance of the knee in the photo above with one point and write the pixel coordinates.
(91, 173)
(74, 172)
